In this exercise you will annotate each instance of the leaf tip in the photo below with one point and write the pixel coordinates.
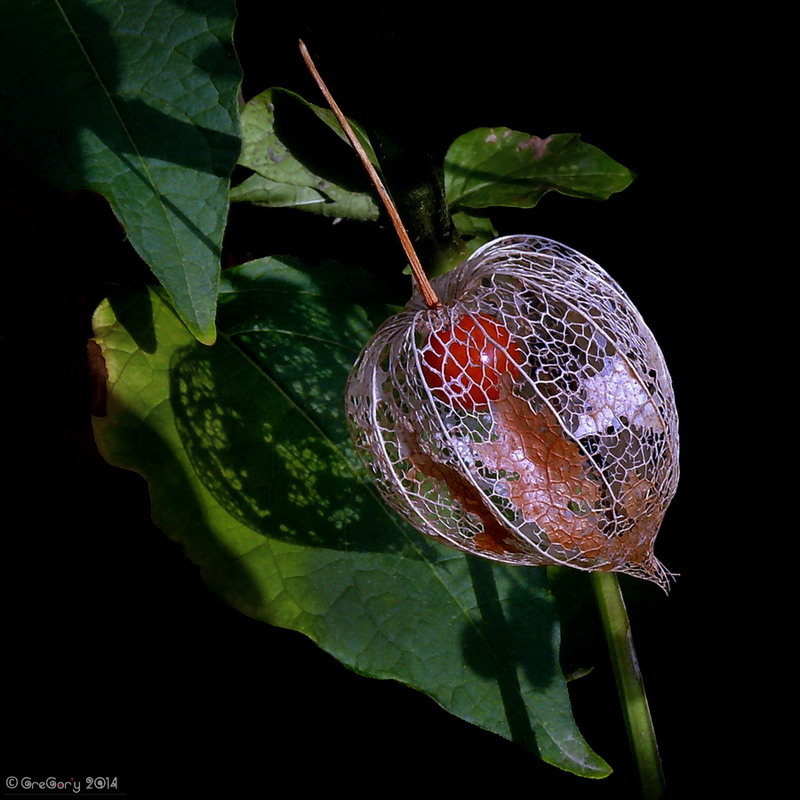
(207, 337)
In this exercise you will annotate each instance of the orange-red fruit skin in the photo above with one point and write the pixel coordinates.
(463, 365)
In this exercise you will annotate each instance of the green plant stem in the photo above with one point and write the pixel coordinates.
(417, 191)
(630, 685)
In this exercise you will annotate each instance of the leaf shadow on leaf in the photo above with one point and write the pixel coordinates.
(299, 159)
(239, 475)
(127, 124)
(131, 306)
(139, 107)
(304, 495)
(161, 136)
(176, 506)
(494, 647)
(303, 325)
(265, 463)
(316, 145)
(528, 195)
(142, 119)
(214, 248)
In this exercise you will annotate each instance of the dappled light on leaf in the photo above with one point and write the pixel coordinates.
(303, 326)
(255, 483)
(261, 459)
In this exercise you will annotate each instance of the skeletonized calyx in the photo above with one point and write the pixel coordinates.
(529, 420)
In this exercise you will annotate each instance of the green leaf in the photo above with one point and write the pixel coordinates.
(246, 452)
(136, 101)
(500, 167)
(475, 228)
(300, 159)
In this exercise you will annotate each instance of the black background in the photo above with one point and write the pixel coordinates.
(121, 662)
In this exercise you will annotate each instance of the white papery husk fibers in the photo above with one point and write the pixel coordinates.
(572, 461)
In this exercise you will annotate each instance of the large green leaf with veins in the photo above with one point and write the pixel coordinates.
(248, 460)
(137, 101)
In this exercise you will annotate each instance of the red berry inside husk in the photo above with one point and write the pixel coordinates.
(463, 365)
